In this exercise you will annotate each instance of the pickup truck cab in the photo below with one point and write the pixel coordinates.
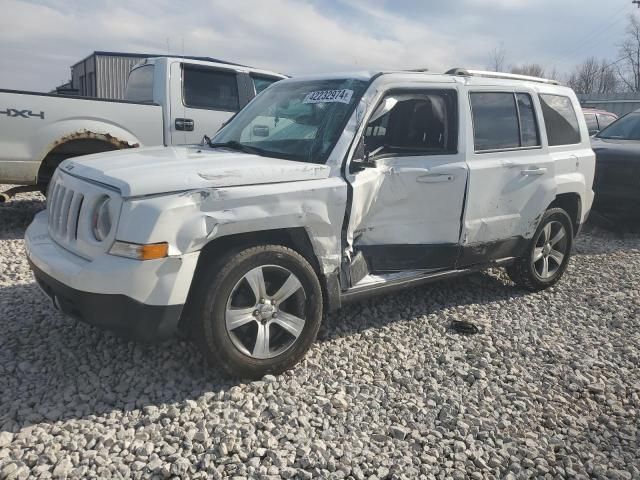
(322, 191)
(168, 101)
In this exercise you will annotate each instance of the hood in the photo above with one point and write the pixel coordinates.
(148, 171)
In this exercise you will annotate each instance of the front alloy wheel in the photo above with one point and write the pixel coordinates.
(265, 311)
(257, 310)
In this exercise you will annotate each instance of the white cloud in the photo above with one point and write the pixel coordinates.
(40, 39)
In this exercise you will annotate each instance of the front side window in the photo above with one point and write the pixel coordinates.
(140, 85)
(605, 120)
(295, 120)
(560, 120)
(495, 121)
(414, 123)
(210, 89)
(260, 83)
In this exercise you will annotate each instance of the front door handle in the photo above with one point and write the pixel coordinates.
(534, 171)
(184, 124)
(436, 178)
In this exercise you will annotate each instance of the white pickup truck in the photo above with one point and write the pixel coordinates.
(168, 101)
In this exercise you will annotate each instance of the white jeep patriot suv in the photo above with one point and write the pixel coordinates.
(321, 191)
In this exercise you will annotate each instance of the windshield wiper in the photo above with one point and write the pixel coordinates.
(235, 145)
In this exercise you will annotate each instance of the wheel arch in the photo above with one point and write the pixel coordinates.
(75, 144)
(296, 238)
(572, 204)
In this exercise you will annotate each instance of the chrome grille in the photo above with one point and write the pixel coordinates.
(64, 211)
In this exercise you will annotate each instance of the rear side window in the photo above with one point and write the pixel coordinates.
(140, 85)
(414, 123)
(210, 89)
(503, 120)
(605, 120)
(560, 120)
(260, 83)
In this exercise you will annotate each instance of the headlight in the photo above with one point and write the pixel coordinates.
(101, 222)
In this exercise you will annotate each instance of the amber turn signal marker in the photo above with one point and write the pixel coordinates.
(154, 251)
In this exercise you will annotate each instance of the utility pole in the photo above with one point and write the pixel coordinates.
(637, 2)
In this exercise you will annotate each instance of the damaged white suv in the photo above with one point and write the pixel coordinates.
(323, 190)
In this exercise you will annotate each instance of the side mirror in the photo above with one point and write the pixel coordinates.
(593, 132)
(260, 131)
(361, 158)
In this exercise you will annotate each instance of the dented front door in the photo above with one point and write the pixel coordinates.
(406, 211)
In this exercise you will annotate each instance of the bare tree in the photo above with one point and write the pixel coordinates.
(593, 76)
(497, 58)
(629, 66)
(531, 69)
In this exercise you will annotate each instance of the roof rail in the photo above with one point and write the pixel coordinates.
(462, 72)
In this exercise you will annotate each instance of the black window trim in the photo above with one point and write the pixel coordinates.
(515, 99)
(229, 71)
(563, 145)
(455, 120)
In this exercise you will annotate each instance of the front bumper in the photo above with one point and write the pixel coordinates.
(118, 313)
(141, 300)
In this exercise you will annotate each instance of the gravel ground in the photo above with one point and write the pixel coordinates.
(549, 389)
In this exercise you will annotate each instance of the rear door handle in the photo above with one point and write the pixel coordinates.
(534, 171)
(184, 124)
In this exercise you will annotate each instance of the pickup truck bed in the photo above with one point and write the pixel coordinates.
(39, 129)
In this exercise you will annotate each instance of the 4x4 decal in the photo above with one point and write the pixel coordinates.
(14, 112)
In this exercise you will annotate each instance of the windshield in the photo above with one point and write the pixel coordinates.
(627, 128)
(299, 121)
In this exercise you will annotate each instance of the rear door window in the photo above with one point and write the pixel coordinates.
(210, 89)
(495, 121)
(560, 120)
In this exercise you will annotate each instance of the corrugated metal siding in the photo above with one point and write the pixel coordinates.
(618, 103)
(82, 77)
(112, 73)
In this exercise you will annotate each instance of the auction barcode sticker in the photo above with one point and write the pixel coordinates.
(327, 96)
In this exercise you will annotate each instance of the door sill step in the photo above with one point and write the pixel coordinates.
(375, 284)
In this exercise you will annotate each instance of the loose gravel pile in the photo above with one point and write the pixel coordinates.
(550, 387)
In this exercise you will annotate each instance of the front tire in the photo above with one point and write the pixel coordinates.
(258, 311)
(547, 255)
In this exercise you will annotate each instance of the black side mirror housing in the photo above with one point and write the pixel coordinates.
(361, 160)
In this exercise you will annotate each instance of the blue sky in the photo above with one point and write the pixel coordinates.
(41, 39)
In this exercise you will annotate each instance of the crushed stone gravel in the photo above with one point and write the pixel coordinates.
(550, 388)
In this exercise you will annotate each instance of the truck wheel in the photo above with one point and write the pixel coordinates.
(547, 255)
(259, 312)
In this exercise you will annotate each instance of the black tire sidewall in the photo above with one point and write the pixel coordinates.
(217, 342)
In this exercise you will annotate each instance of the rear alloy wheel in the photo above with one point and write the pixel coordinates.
(259, 312)
(547, 256)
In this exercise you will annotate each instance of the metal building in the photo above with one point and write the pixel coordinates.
(104, 74)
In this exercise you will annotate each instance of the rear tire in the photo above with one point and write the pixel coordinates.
(547, 255)
(257, 311)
